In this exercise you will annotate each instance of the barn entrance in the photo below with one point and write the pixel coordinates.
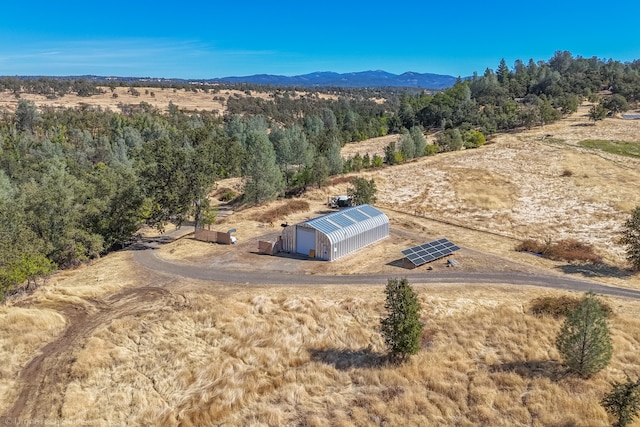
(305, 240)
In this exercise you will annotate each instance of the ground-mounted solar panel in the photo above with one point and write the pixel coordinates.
(431, 251)
(631, 116)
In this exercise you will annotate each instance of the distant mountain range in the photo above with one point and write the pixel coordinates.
(354, 80)
(319, 79)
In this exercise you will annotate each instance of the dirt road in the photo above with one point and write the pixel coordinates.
(148, 258)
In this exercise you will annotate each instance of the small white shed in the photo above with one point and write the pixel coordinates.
(337, 234)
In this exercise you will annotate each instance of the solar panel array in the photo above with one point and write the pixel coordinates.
(430, 251)
(631, 116)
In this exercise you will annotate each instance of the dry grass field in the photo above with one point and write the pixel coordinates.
(112, 344)
(157, 97)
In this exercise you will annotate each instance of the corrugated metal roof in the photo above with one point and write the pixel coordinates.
(349, 221)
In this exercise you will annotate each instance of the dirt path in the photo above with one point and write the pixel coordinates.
(44, 380)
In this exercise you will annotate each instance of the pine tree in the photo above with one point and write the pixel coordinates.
(402, 328)
(631, 238)
(584, 340)
(623, 401)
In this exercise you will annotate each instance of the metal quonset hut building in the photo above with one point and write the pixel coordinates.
(336, 234)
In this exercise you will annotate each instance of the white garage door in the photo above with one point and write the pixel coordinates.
(305, 240)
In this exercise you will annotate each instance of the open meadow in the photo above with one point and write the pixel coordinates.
(113, 343)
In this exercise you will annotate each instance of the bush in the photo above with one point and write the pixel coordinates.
(227, 195)
(560, 306)
(279, 212)
(569, 250)
(473, 139)
(341, 180)
(431, 149)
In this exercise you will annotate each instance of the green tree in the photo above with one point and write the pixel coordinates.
(22, 252)
(419, 141)
(584, 340)
(503, 72)
(401, 328)
(163, 168)
(26, 115)
(362, 191)
(449, 140)
(263, 179)
(597, 112)
(407, 146)
(623, 401)
(390, 153)
(616, 104)
(568, 103)
(320, 170)
(334, 158)
(631, 238)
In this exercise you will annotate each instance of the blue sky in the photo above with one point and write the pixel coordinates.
(218, 39)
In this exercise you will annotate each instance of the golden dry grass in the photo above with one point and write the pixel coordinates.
(23, 331)
(515, 186)
(293, 356)
(184, 99)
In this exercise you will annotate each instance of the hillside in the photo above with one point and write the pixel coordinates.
(157, 97)
(113, 343)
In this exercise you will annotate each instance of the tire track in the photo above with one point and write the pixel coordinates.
(45, 378)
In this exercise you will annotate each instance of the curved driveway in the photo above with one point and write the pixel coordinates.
(149, 259)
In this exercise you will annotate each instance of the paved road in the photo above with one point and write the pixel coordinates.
(147, 257)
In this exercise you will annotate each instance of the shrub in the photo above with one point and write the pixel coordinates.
(227, 195)
(530, 245)
(569, 250)
(560, 306)
(473, 139)
(431, 149)
(341, 180)
(279, 212)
